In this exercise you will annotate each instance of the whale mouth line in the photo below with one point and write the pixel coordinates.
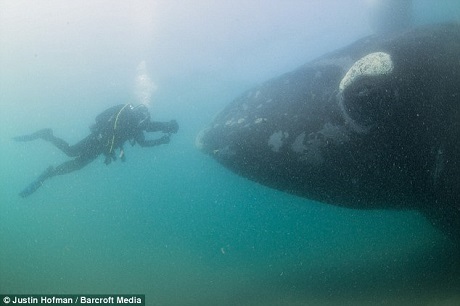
(355, 126)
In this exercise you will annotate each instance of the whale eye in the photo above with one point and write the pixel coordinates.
(368, 101)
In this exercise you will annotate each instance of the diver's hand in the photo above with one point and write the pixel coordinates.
(171, 127)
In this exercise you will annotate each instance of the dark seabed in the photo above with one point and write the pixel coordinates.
(170, 222)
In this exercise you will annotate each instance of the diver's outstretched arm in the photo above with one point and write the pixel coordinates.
(152, 142)
(165, 127)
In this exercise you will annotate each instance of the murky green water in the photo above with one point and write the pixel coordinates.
(170, 222)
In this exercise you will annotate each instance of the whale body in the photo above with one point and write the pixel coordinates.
(374, 125)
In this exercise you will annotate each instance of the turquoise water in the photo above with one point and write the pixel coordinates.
(170, 222)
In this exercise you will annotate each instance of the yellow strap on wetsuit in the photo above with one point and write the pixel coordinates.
(115, 127)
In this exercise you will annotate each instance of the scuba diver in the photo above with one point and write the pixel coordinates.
(112, 129)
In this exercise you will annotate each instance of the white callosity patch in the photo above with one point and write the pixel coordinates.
(230, 122)
(310, 150)
(334, 134)
(247, 113)
(298, 145)
(309, 147)
(373, 64)
(276, 140)
(260, 120)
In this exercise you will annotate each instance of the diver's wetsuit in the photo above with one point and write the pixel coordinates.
(113, 128)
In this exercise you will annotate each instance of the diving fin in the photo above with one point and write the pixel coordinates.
(43, 134)
(32, 187)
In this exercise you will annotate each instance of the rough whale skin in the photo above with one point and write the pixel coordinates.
(373, 125)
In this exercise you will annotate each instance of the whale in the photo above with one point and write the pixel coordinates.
(374, 125)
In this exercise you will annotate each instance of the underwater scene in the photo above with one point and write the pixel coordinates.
(140, 208)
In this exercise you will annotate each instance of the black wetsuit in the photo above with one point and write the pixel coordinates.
(112, 129)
